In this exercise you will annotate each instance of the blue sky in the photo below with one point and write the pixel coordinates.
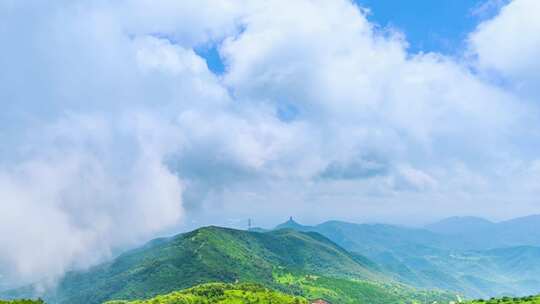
(429, 25)
(440, 26)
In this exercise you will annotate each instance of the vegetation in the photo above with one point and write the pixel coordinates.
(509, 300)
(210, 254)
(442, 256)
(22, 301)
(345, 291)
(221, 293)
(298, 263)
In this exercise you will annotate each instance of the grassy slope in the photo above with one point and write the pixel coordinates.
(221, 293)
(346, 291)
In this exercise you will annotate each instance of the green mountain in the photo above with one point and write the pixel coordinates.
(300, 263)
(337, 260)
(445, 259)
(221, 293)
(378, 238)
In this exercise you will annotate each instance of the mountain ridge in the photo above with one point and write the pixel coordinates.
(459, 262)
(285, 259)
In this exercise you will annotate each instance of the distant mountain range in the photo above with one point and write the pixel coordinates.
(466, 254)
(483, 234)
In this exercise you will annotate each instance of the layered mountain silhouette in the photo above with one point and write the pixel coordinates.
(470, 255)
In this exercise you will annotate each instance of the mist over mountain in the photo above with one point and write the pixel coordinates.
(471, 255)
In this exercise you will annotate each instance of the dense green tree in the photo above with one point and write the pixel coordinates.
(508, 300)
(22, 301)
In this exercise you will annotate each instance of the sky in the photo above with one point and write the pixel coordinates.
(125, 120)
(432, 26)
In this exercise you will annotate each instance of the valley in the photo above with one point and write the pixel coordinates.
(471, 256)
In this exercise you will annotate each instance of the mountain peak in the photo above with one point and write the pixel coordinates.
(291, 224)
(292, 221)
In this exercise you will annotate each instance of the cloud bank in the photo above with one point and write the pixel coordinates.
(114, 129)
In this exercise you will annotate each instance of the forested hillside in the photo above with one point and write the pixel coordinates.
(301, 263)
(455, 254)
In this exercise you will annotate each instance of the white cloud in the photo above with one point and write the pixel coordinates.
(80, 197)
(112, 118)
(509, 44)
(414, 179)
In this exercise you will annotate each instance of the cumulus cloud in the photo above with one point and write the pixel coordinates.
(118, 131)
(509, 45)
(82, 195)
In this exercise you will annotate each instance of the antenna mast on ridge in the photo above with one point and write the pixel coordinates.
(249, 224)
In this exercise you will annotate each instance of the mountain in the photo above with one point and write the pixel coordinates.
(222, 293)
(339, 261)
(410, 255)
(481, 234)
(523, 231)
(292, 224)
(376, 239)
(445, 256)
(460, 225)
(302, 263)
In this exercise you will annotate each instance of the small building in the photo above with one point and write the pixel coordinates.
(319, 301)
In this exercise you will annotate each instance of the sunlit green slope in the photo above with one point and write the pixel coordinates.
(220, 293)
